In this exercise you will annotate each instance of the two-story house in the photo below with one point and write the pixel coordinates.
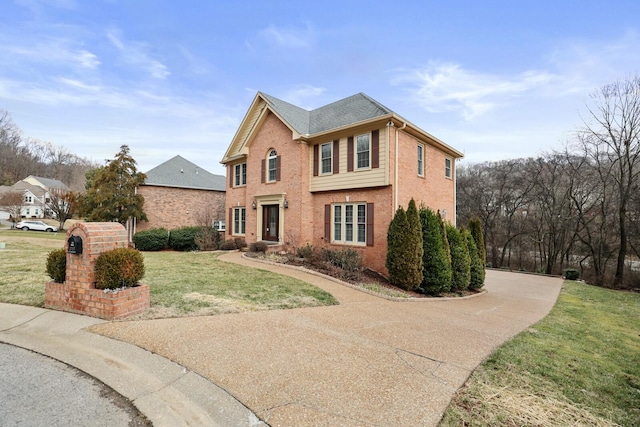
(332, 177)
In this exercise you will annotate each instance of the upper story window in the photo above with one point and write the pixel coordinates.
(272, 165)
(363, 151)
(326, 158)
(447, 167)
(420, 160)
(240, 175)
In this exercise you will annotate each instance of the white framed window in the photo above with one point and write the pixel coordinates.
(349, 223)
(326, 158)
(420, 160)
(219, 225)
(272, 166)
(240, 175)
(239, 219)
(447, 167)
(363, 151)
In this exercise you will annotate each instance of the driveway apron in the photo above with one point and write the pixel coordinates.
(367, 361)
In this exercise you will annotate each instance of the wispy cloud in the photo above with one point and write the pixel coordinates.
(137, 54)
(53, 52)
(288, 37)
(303, 95)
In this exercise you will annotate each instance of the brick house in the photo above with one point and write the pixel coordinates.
(180, 193)
(332, 177)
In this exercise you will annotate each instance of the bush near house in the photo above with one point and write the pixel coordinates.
(117, 268)
(184, 238)
(476, 270)
(258, 247)
(57, 265)
(208, 239)
(460, 260)
(155, 239)
(436, 260)
(404, 252)
(475, 227)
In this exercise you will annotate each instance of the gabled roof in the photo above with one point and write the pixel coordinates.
(354, 110)
(23, 185)
(47, 183)
(181, 173)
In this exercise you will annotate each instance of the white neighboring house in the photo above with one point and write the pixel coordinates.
(36, 195)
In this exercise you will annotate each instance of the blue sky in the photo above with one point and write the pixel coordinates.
(494, 79)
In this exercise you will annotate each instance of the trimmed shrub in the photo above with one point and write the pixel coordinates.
(184, 238)
(435, 260)
(404, 252)
(208, 239)
(571, 274)
(460, 261)
(258, 247)
(476, 270)
(229, 245)
(155, 239)
(240, 242)
(117, 268)
(475, 227)
(57, 265)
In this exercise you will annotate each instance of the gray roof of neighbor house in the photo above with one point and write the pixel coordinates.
(354, 109)
(180, 172)
(49, 183)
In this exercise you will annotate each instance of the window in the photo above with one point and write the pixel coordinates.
(272, 165)
(239, 217)
(350, 223)
(219, 225)
(363, 151)
(420, 160)
(326, 160)
(240, 175)
(447, 168)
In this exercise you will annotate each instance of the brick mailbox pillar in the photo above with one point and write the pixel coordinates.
(85, 242)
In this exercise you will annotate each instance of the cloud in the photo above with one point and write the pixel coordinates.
(137, 54)
(301, 94)
(287, 37)
(447, 87)
(53, 51)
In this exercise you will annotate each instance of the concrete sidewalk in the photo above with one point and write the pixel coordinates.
(166, 393)
(367, 361)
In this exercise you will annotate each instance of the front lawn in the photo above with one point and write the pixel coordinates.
(182, 283)
(578, 366)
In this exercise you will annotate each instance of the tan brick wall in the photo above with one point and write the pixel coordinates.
(170, 207)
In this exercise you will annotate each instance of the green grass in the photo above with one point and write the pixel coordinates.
(182, 283)
(578, 366)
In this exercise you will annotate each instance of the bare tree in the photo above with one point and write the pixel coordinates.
(611, 140)
(11, 202)
(62, 206)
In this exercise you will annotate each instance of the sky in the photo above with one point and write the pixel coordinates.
(493, 79)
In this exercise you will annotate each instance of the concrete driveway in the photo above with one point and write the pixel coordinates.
(367, 361)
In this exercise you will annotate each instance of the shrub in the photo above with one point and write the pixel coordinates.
(155, 239)
(207, 239)
(571, 274)
(184, 238)
(229, 245)
(57, 265)
(122, 267)
(460, 260)
(475, 227)
(306, 252)
(346, 259)
(240, 242)
(404, 250)
(258, 247)
(476, 276)
(435, 260)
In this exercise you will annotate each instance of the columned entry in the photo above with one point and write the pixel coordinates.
(270, 222)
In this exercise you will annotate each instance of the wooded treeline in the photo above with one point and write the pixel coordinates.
(578, 207)
(21, 156)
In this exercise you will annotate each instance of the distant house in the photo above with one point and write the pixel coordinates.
(37, 193)
(180, 193)
(332, 177)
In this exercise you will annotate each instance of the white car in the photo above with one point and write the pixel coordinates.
(35, 225)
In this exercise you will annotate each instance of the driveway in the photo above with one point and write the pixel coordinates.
(367, 361)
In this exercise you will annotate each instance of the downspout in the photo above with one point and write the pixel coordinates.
(455, 191)
(395, 178)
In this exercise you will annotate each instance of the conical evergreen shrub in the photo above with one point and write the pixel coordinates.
(435, 259)
(476, 276)
(403, 246)
(460, 261)
(475, 227)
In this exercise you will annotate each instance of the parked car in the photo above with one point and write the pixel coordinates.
(36, 225)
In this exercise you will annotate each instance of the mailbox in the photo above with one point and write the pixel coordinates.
(74, 245)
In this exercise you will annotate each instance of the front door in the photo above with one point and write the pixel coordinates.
(270, 222)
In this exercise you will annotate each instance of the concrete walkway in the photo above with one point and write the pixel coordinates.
(367, 361)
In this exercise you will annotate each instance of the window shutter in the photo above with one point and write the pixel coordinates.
(315, 159)
(350, 154)
(262, 178)
(230, 223)
(278, 168)
(370, 224)
(230, 167)
(336, 156)
(375, 148)
(327, 223)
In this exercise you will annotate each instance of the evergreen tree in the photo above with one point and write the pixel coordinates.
(475, 227)
(445, 240)
(414, 247)
(435, 259)
(404, 271)
(112, 194)
(460, 261)
(476, 276)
